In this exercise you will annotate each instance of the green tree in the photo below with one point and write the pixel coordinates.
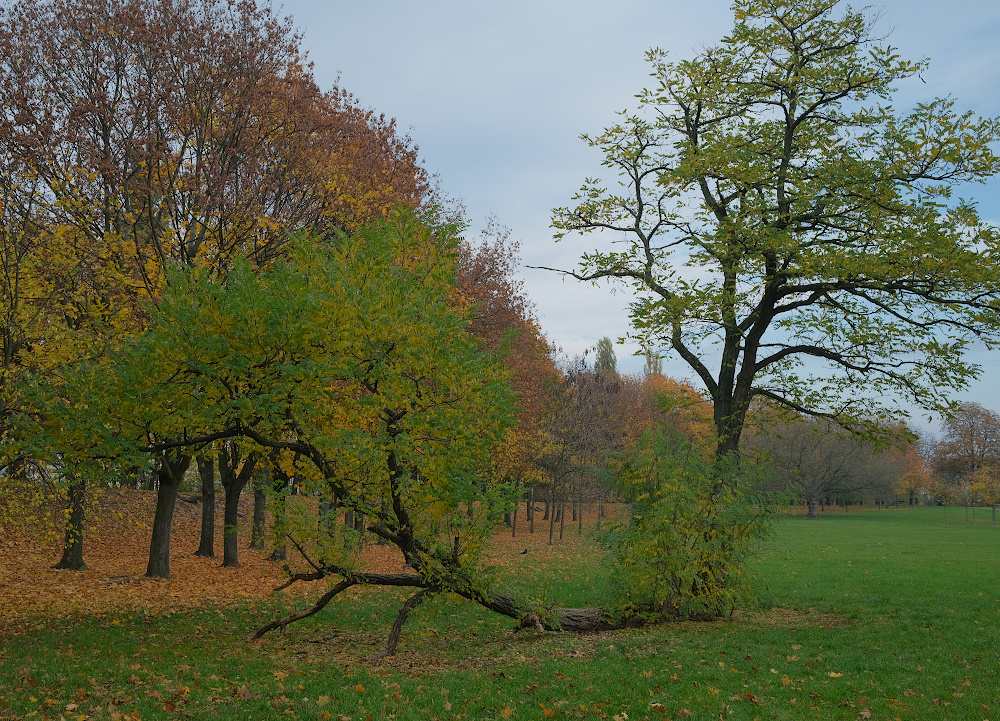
(605, 359)
(653, 365)
(830, 268)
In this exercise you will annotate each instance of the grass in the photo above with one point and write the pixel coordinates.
(881, 615)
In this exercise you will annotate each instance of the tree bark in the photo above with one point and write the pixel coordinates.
(813, 505)
(206, 469)
(233, 483)
(72, 558)
(257, 530)
(168, 480)
(397, 628)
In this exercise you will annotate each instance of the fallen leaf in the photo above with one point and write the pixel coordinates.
(834, 674)
(506, 712)
(359, 688)
(866, 714)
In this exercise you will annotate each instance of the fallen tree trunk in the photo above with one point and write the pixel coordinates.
(577, 620)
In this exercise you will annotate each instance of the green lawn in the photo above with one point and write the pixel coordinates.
(879, 615)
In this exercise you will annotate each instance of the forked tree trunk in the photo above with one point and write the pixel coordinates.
(168, 481)
(72, 558)
(813, 505)
(206, 470)
(233, 483)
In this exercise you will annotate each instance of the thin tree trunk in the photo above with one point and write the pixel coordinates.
(168, 481)
(562, 514)
(513, 517)
(206, 470)
(579, 503)
(72, 558)
(551, 517)
(397, 627)
(531, 510)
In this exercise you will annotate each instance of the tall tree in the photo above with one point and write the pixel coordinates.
(830, 268)
(605, 359)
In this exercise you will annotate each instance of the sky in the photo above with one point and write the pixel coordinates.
(496, 97)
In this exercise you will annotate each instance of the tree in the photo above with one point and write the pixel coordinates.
(830, 268)
(653, 365)
(605, 360)
(816, 460)
(142, 133)
(970, 440)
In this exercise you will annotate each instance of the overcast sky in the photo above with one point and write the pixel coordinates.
(497, 95)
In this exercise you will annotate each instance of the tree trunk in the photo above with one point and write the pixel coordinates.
(359, 526)
(206, 469)
(168, 480)
(531, 510)
(257, 530)
(562, 515)
(551, 516)
(280, 482)
(813, 508)
(513, 516)
(72, 558)
(233, 483)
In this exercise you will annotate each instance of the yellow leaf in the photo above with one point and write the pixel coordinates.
(506, 711)
(834, 674)
(359, 688)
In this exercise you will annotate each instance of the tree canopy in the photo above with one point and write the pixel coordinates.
(789, 234)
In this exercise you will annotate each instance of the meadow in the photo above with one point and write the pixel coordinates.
(872, 615)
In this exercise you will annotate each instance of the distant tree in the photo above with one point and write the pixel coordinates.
(653, 365)
(915, 478)
(814, 219)
(817, 460)
(605, 359)
(970, 440)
